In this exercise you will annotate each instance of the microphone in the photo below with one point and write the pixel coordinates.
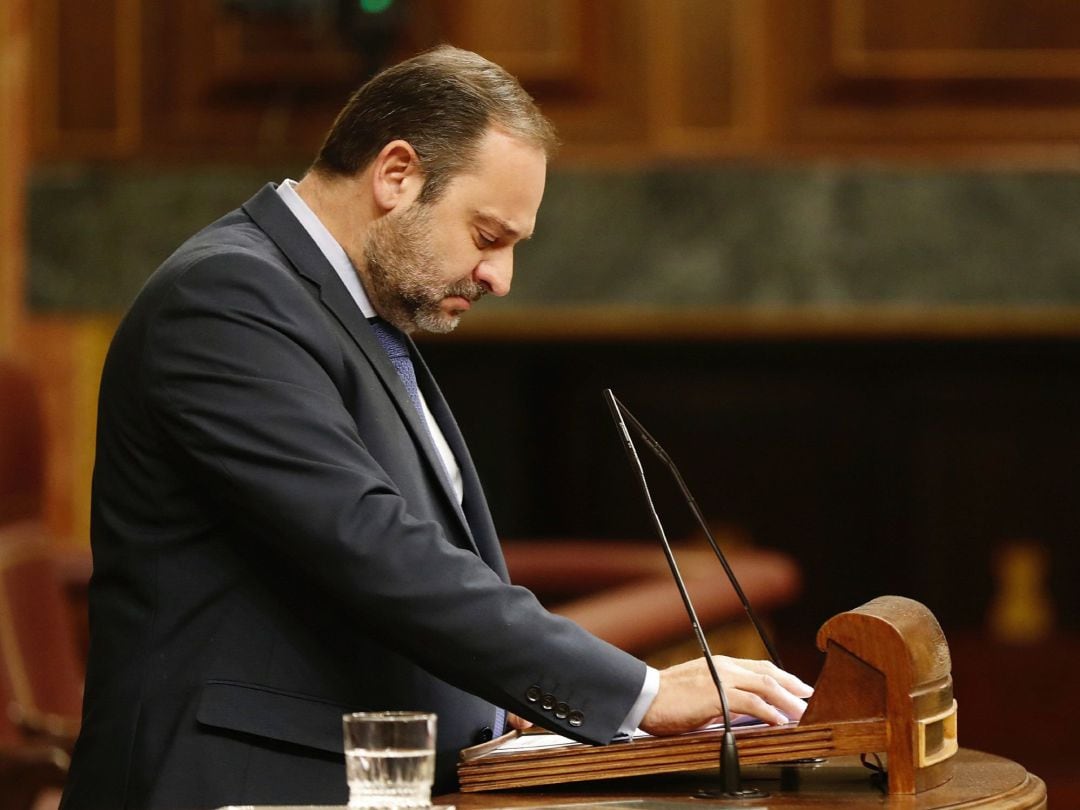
(661, 454)
(730, 774)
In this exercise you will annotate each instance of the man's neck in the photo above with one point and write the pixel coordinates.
(341, 207)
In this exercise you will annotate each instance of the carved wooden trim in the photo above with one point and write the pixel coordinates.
(769, 323)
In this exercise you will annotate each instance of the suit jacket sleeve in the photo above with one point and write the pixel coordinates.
(248, 377)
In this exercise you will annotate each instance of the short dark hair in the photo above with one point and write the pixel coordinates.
(441, 102)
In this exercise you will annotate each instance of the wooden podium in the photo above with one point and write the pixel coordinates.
(979, 781)
(885, 688)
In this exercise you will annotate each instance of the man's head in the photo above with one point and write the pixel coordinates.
(440, 102)
(443, 161)
(425, 264)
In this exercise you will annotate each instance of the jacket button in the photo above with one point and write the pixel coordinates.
(547, 702)
(533, 693)
(484, 734)
(576, 718)
(561, 711)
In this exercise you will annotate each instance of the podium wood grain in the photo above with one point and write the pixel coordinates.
(979, 781)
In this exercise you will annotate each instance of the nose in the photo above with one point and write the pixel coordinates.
(496, 271)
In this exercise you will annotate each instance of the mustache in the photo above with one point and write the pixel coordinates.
(468, 289)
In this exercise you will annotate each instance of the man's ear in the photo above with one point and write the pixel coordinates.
(396, 175)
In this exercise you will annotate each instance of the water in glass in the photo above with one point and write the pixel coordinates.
(390, 778)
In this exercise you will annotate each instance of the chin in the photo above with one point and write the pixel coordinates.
(437, 323)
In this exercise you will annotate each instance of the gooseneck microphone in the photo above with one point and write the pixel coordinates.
(661, 454)
(730, 774)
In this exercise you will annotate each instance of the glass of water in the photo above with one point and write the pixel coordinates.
(389, 758)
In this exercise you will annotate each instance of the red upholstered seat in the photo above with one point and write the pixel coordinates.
(21, 456)
(40, 671)
(40, 658)
(623, 591)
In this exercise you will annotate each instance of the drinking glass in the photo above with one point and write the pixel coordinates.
(389, 758)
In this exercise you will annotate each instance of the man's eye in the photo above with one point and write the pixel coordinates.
(483, 240)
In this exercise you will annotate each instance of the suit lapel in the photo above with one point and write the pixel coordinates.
(274, 217)
(476, 513)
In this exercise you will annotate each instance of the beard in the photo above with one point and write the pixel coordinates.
(404, 277)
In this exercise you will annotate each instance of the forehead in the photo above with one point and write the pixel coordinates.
(504, 184)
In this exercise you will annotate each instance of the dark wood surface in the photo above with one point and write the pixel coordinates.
(980, 780)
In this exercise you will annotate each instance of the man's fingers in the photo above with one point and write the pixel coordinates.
(765, 690)
(520, 723)
(761, 709)
(790, 682)
(687, 697)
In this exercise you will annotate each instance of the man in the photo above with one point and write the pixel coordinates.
(286, 522)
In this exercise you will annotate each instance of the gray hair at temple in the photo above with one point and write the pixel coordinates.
(441, 102)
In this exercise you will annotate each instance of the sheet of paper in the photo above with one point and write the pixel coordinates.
(542, 741)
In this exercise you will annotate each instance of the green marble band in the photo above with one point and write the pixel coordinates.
(814, 235)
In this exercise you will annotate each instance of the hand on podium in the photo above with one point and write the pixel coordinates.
(517, 722)
(687, 697)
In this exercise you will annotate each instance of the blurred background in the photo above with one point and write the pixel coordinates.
(826, 250)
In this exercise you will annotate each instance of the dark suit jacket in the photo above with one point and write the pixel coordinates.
(275, 544)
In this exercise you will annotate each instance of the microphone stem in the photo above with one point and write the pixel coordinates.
(729, 764)
(692, 503)
(631, 451)
(729, 753)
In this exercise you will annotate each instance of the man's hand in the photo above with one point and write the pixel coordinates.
(687, 697)
(520, 723)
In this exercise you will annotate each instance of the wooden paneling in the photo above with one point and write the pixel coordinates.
(539, 42)
(978, 75)
(583, 60)
(87, 72)
(14, 75)
(708, 76)
(623, 79)
(228, 85)
(964, 39)
(264, 87)
(224, 50)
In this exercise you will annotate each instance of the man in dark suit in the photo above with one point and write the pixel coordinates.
(286, 522)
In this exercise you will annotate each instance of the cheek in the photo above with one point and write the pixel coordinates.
(457, 262)
(454, 254)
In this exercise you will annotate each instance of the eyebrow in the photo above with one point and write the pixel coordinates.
(502, 225)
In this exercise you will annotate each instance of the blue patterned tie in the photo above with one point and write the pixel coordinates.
(393, 343)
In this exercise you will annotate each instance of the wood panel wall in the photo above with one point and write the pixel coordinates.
(627, 80)
(14, 70)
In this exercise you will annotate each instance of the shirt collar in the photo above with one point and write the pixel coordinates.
(334, 252)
